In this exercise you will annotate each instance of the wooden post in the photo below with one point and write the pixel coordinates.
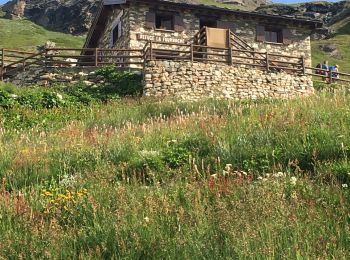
(303, 64)
(2, 64)
(330, 76)
(151, 50)
(191, 46)
(267, 62)
(96, 57)
(230, 56)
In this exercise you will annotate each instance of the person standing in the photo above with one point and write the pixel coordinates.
(325, 70)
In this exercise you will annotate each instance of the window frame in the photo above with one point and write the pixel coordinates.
(117, 27)
(116, 33)
(279, 34)
(164, 15)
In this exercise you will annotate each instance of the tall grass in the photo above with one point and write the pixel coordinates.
(168, 179)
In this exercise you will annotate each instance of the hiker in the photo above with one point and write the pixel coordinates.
(324, 70)
(335, 72)
(318, 67)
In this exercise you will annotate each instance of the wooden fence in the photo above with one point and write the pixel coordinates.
(13, 61)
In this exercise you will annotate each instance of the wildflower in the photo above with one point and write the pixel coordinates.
(267, 175)
(13, 96)
(260, 178)
(60, 97)
(344, 185)
(146, 219)
(278, 175)
(228, 167)
(293, 181)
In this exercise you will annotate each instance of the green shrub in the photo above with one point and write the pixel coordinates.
(123, 83)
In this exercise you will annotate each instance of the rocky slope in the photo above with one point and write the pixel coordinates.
(329, 13)
(75, 16)
(72, 16)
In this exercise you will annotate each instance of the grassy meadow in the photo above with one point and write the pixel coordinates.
(26, 35)
(148, 179)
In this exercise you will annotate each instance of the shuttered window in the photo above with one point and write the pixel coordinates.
(273, 34)
(179, 25)
(150, 20)
(164, 21)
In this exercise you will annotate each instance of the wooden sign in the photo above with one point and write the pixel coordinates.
(146, 37)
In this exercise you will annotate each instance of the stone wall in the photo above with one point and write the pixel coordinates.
(124, 41)
(51, 76)
(188, 80)
(138, 27)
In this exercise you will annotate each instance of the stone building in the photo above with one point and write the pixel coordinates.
(215, 32)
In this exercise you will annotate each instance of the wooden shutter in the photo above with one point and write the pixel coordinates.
(179, 25)
(150, 20)
(260, 33)
(226, 25)
(286, 36)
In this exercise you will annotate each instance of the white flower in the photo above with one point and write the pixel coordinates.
(228, 167)
(267, 175)
(293, 181)
(344, 185)
(148, 154)
(260, 178)
(60, 97)
(280, 174)
(146, 219)
(13, 96)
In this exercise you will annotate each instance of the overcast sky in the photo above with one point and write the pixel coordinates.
(276, 1)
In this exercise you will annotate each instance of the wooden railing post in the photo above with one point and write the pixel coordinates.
(191, 51)
(303, 64)
(2, 64)
(96, 57)
(151, 50)
(329, 76)
(267, 62)
(230, 55)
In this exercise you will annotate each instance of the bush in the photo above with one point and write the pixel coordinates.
(123, 83)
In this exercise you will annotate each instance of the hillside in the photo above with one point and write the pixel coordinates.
(142, 179)
(26, 35)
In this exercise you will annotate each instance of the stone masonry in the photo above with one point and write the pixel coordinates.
(187, 80)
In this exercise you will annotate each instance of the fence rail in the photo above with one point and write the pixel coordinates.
(15, 60)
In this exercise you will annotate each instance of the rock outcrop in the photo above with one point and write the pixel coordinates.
(70, 16)
(328, 12)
